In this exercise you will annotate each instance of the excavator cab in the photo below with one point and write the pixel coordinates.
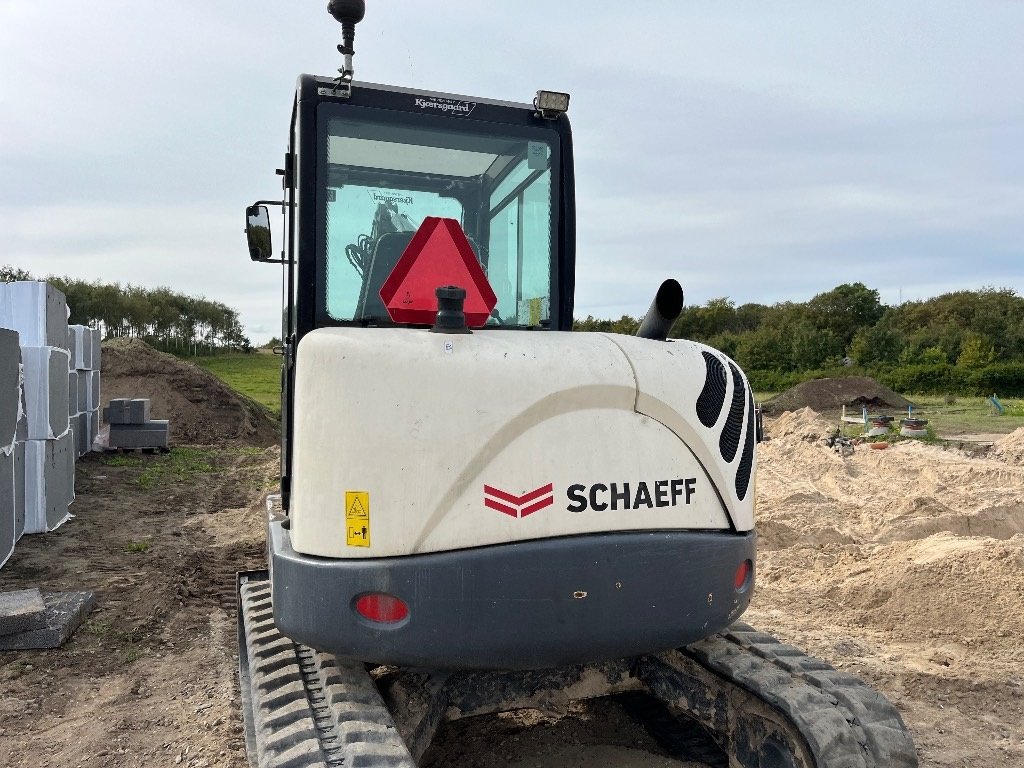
(367, 164)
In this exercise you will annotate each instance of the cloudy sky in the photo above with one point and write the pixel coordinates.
(761, 151)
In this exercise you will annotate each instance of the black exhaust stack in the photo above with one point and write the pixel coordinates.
(666, 307)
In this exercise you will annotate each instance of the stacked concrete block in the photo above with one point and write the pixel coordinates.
(80, 339)
(42, 459)
(37, 311)
(46, 391)
(131, 427)
(10, 417)
(84, 343)
(49, 482)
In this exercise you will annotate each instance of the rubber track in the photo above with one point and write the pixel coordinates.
(844, 722)
(305, 708)
(309, 708)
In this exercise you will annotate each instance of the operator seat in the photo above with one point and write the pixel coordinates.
(386, 253)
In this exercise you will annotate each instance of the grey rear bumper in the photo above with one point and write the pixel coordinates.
(527, 605)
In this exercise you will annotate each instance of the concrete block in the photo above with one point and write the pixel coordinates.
(94, 427)
(80, 342)
(65, 612)
(73, 394)
(8, 516)
(152, 434)
(37, 311)
(84, 433)
(117, 412)
(19, 490)
(49, 483)
(73, 430)
(10, 387)
(138, 410)
(21, 611)
(46, 391)
(97, 340)
(83, 391)
(93, 390)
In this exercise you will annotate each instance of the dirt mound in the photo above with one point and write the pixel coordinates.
(833, 394)
(201, 408)
(803, 424)
(1011, 448)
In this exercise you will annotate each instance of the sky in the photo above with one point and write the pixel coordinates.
(764, 152)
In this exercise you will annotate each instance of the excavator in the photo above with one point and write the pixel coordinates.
(481, 510)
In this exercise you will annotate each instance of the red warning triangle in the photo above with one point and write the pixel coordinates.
(438, 254)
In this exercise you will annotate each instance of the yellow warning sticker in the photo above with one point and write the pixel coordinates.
(357, 518)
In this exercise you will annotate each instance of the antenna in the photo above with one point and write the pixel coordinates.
(348, 13)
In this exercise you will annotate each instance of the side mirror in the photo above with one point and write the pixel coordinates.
(257, 233)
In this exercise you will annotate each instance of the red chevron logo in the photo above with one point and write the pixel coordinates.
(519, 506)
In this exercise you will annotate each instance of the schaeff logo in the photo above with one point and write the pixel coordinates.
(631, 496)
(598, 497)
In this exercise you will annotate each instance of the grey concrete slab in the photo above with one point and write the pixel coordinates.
(93, 390)
(80, 340)
(94, 427)
(19, 490)
(117, 412)
(138, 410)
(73, 394)
(10, 386)
(83, 391)
(73, 429)
(84, 433)
(139, 435)
(8, 516)
(49, 483)
(65, 612)
(21, 611)
(46, 391)
(64, 451)
(149, 426)
(95, 349)
(37, 311)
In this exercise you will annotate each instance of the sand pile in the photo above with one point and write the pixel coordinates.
(906, 567)
(803, 424)
(1011, 448)
(833, 394)
(201, 408)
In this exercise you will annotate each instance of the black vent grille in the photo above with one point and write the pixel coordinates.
(712, 397)
(747, 459)
(729, 440)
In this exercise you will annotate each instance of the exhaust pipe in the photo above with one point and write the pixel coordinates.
(666, 307)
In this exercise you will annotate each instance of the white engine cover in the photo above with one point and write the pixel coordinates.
(407, 441)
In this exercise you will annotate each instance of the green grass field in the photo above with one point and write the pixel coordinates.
(256, 374)
(967, 415)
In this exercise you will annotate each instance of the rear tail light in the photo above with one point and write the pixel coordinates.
(743, 574)
(381, 608)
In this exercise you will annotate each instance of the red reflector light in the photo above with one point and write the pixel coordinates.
(742, 579)
(381, 607)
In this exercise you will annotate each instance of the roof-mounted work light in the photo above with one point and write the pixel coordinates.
(551, 104)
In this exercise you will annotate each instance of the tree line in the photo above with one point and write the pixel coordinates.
(164, 318)
(966, 342)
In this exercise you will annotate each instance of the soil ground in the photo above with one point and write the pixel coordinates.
(904, 566)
